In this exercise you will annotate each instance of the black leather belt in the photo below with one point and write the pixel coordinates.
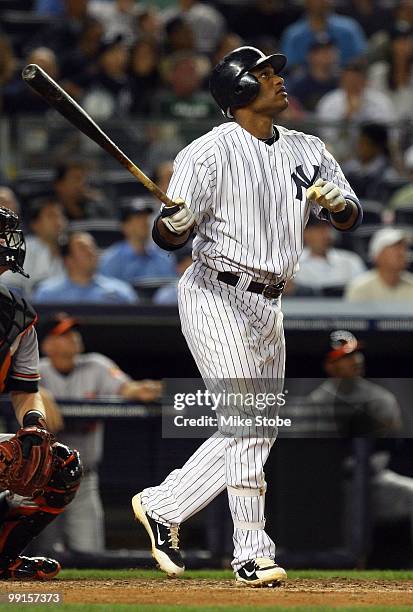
(271, 292)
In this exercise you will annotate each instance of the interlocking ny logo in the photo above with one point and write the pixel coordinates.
(301, 180)
(9, 257)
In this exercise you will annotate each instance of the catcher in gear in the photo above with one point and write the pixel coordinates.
(38, 476)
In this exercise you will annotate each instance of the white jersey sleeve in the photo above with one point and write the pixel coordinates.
(192, 178)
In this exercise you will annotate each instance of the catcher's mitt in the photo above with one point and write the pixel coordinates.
(26, 461)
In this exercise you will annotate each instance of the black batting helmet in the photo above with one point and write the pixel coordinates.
(231, 85)
(12, 243)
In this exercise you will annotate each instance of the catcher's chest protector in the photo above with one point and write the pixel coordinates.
(16, 316)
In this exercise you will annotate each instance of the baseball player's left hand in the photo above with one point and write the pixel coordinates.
(179, 218)
(328, 195)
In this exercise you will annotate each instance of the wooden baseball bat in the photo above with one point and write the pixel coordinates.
(59, 99)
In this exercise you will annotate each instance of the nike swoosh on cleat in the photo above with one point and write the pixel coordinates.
(249, 574)
(160, 542)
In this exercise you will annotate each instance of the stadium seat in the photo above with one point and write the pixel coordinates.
(404, 216)
(124, 184)
(16, 5)
(390, 186)
(147, 287)
(31, 184)
(372, 211)
(21, 25)
(334, 291)
(358, 241)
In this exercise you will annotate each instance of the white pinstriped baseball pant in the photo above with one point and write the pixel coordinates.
(232, 334)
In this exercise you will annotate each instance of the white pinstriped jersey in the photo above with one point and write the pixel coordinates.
(249, 202)
(249, 198)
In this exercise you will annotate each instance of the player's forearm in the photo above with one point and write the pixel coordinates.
(130, 390)
(168, 240)
(348, 218)
(141, 390)
(25, 402)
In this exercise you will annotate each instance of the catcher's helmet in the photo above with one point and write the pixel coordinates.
(230, 83)
(12, 243)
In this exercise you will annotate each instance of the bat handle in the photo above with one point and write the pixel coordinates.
(165, 199)
(150, 185)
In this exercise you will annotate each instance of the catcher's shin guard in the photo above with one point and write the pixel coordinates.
(20, 523)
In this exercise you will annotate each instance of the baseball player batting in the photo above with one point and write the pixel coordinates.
(38, 476)
(248, 186)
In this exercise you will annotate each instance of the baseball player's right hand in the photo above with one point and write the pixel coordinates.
(328, 195)
(178, 219)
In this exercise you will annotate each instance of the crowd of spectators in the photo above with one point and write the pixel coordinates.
(349, 69)
(69, 265)
(125, 57)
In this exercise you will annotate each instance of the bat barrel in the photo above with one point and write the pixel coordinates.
(29, 72)
(59, 99)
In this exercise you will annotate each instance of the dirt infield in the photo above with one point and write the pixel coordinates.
(333, 592)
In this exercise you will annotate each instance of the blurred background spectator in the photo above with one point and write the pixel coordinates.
(372, 165)
(324, 268)
(69, 373)
(183, 75)
(144, 75)
(73, 191)
(164, 141)
(403, 197)
(320, 17)
(137, 257)
(178, 36)
(318, 76)
(353, 101)
(63, 34)
(373, 15)
(108, 91)
(292, 289)
(226, 44)
(50, 7)
(163, 173)
(17, 97)
(388, 280)
(363, 407)
(80, 282)
(118, 17)
(206, 23)
(394, 74)
(8, 62)
(43, 257)
(80, 64)
(357, 406)
(9, 200)
(259, 18)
